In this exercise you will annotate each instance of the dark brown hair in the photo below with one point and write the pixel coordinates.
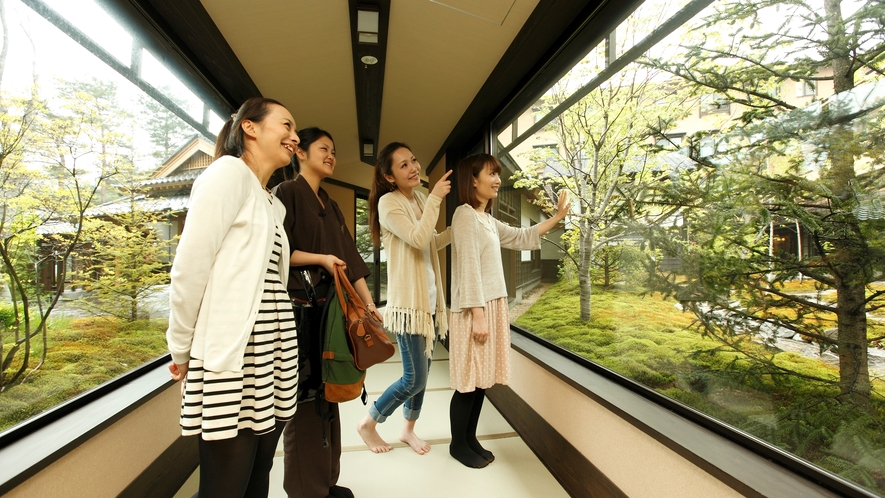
(231, 141)
(469, 168)
(307, 137)
(381, 186)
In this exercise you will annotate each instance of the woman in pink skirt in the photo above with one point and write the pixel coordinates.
(479, 327)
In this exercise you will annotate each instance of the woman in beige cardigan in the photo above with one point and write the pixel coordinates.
(479, 343)
(404, 220)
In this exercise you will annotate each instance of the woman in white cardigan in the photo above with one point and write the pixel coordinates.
(231, 325)
(479, 343)
(404, 220)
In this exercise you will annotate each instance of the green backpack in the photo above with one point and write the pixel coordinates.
(342, 381)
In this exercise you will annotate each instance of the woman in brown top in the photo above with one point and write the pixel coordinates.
(319, 240)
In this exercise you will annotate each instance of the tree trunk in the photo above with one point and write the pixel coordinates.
(799, 248)
(606, 270)
(854, 375)
(854, 378)
(586, 264)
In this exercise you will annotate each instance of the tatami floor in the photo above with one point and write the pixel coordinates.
(515, 473)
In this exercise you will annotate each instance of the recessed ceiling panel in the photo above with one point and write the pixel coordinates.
(437, 61)
(493, 11)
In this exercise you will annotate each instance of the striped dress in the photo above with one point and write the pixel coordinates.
(218, 404)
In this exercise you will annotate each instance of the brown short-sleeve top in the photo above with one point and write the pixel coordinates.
(314, 229)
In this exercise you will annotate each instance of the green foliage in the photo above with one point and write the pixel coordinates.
(166, 130)
(82, 353)
(127, 261)
(55, 159)
(796, 406)
(775, 164)
(8, 314)
(619, 263)
(604, 155)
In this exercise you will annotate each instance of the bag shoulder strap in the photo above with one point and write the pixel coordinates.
(346, 288)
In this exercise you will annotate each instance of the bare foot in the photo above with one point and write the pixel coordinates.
(409, 437)
(366, 429)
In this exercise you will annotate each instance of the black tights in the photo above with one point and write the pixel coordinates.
(464, 412)
(239, 466)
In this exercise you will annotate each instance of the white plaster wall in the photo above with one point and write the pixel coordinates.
(107, 463)
(638, 464)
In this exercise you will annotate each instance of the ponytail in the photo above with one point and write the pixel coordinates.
(381, 186)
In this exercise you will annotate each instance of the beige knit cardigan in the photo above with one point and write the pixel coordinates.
(405, 238)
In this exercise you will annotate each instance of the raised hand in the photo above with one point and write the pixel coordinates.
(562, 204)
(443, 186)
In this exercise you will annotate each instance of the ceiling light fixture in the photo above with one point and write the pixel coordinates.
(368, 149)
(367, 25)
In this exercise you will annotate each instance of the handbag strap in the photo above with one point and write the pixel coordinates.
(343, 286)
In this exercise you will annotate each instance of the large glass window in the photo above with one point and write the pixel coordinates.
(727, 242)
(99, 144)
(375, 257)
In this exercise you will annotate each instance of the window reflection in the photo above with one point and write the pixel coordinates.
(97, 24)
(93, 196)
(728, 190)
(375, 258)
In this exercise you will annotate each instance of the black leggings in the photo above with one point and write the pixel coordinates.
(240, 466)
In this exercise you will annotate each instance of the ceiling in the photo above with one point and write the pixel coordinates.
(450, 65)
(437, 59)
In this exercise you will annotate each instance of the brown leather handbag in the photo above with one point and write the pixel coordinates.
(368, 342)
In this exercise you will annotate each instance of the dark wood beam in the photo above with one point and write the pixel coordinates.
(577, 475)
(368, 76)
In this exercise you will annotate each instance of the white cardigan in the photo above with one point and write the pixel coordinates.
(405, 239)
(217, 277)
(477, 269)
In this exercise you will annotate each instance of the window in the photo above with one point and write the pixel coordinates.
(375, 258)
(805, 89)
(702, 263)
(713, 104)
(100, 120)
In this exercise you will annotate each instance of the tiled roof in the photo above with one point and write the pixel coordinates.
(187, 176)
(55, 227)
(150, 204)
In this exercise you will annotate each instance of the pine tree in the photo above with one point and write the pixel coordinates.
(817, 168)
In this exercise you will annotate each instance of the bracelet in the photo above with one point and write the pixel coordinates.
(370, 305)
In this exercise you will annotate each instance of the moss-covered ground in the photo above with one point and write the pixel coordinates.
(81, 354)
(789, 400)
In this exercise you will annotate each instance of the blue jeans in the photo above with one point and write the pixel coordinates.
(409, 389)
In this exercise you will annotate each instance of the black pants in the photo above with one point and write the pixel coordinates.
(239, 466)
(311, 440)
